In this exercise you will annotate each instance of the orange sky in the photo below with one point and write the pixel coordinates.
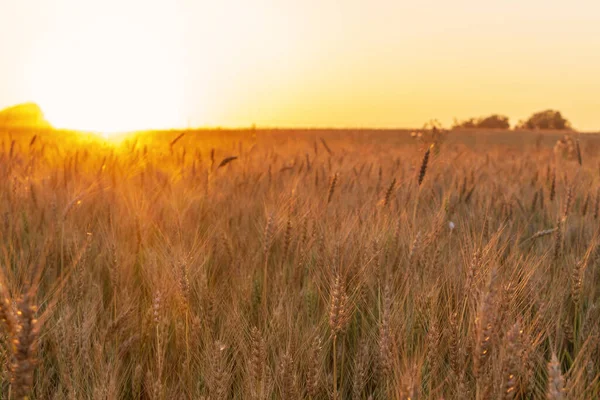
(133, 64)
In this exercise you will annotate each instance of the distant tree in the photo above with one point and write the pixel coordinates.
(466, 124)
(548, 119)
(494, 121)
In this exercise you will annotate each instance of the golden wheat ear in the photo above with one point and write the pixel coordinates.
(423, 169)
(332, 186)
(556, 382)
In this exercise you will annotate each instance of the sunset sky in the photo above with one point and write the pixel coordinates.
(134, 64)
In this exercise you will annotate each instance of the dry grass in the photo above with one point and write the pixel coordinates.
(314, 264)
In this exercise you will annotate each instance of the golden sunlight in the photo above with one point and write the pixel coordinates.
(111, 76)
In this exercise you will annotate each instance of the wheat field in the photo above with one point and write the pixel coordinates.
(300, 264)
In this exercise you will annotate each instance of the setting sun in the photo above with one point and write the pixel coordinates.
(110, 75)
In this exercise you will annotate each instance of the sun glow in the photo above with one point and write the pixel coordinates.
(121, 65)
(110, 75)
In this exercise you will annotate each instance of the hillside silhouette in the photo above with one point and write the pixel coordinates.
(23, 116)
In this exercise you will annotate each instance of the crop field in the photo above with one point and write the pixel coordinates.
(314, 264)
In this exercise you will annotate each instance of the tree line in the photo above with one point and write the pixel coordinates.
(547, 119)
